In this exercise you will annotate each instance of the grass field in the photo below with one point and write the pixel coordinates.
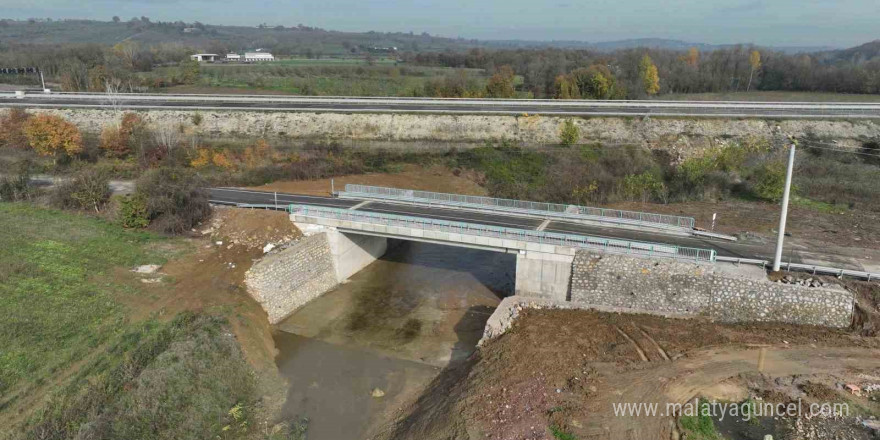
(73, 362)
(315, 62)
(350, 77)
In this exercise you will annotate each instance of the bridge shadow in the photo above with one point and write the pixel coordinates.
(494, 270)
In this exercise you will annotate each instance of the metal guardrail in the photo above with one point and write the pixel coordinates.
(522, 206)
(554, 238)
(463, 105)
(836, 271)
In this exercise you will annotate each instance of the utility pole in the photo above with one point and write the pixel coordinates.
(782, 217)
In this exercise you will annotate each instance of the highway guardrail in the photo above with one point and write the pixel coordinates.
(558, 239)
(567, 212)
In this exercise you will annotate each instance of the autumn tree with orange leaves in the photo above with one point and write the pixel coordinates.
(51, 135)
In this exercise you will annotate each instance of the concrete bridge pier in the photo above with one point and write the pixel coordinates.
(543, 275)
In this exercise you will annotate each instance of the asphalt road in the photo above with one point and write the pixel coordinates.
(234, 196)
(441, 106)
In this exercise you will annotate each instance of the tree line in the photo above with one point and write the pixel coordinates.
(637, 73)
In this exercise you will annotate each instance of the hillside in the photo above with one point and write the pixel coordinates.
(301, 39)
(282, 40)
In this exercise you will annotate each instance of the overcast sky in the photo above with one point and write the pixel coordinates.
(839, 23)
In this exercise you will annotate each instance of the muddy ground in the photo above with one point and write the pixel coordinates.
(563, 370)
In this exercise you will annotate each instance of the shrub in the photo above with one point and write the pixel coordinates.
(770, 181)
(89, 189)
(644, 187)
(175, 197)
(116, 140)
(52, 135)
(203, 158)
(17, 187)
(133, 212)
(12, 129)
(568, 133)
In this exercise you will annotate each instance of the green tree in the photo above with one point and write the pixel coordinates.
(564, 87)
(189, 71)
(568, 133)
(597, 82)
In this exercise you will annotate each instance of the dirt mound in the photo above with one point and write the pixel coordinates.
(435, 178)
(558, 372)
(252, 228)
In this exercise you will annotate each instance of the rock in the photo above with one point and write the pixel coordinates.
(219, 243)
(147, 268)
(267, 248)
(378, 392)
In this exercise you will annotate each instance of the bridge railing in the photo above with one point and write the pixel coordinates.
(558, 239)
(571, 212)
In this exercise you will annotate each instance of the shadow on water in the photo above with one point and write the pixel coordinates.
(359, 352)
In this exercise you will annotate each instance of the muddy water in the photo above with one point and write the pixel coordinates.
(388, 331)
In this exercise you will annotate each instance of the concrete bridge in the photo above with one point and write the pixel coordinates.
(345, 236)
(543, 259)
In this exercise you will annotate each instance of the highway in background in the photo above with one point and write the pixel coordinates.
(444, 106)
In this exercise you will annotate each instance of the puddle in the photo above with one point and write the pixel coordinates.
(392, 327)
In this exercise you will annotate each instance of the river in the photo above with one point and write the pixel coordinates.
(357, 353)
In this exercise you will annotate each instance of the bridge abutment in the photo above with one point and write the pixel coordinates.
(543, 275)
(352, 252)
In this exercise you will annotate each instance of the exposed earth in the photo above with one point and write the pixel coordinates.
(559, 372)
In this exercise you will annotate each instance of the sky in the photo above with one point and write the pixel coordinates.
(833, 23)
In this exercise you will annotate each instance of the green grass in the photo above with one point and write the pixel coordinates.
(72, 363)
(324, 62)
(319, 77)
(819, 206)
(560, 434)
(56, 300)
(701, 426)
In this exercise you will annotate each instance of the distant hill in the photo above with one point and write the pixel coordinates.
(858, 54)
(283, 40)
(289, 40)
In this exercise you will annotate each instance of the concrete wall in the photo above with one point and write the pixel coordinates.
(284, 281)
(352, 252)
(543, 275)
(723, 292)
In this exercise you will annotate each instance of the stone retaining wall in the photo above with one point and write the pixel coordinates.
(284, 281)
(725, 293)
(680, 136)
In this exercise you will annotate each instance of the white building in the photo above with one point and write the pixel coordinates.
(258, 56)
(233, 57)
(204, 57)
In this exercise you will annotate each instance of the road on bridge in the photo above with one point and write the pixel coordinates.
(232, 196)
(443, 106)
